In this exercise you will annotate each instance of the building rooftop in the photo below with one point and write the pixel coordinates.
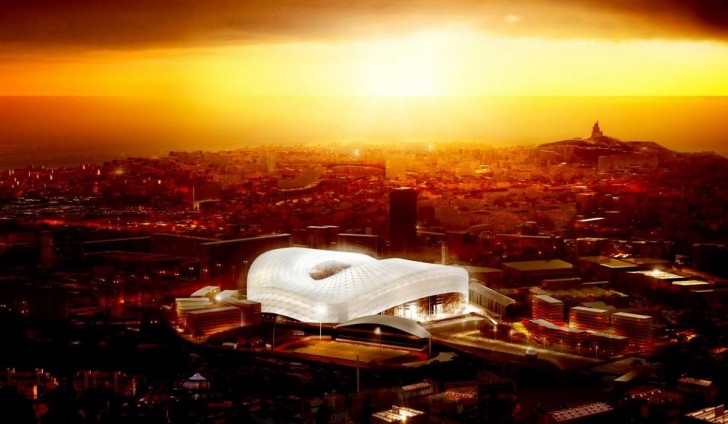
(212, 310)
(547, 298)
(608, 262)
(629, 315)
(205, 291)
(586, 309)
(539, 265)
(695, 381)
(648, 261)
(715, 414)
(580, 412)
(480, 269)
(243, 240)
(598, 305)
(547, 324)
(691, 284)
(588, 220)
(607, 336)
(397, 414)
(658, 274)
(481, 289)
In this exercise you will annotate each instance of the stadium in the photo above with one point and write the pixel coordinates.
(312, 285)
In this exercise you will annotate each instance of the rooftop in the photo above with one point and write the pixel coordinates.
(587, 309)
(715, 414)
(547, 298)
(628, 315)
(608, 262)
(691, 283)
(539, 265)
(658, 274)
(580, 412)
(213, 310)
(549, 325)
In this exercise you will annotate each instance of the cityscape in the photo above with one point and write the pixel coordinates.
(365, 212)
(447, 281)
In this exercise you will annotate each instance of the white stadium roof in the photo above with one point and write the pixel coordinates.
(329, 286)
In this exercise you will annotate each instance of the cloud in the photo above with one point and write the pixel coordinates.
(133, 24)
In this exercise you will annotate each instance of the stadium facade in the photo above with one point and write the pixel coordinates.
(334, 287)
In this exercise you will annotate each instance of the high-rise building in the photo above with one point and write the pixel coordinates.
(638, 328)
(547, 308)
(403, 220)
(583, 318)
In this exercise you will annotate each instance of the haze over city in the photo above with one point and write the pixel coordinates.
(147, 77)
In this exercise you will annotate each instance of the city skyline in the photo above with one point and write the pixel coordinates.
(146, 77)
(363, 211)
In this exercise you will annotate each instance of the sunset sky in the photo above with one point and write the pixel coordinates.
(225, 54)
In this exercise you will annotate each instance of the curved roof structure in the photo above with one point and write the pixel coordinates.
(402, 324)
(328, 286)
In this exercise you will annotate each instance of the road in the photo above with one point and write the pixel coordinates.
(462, 333)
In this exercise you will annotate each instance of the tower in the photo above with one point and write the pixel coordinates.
(403, 220)
(596, 131)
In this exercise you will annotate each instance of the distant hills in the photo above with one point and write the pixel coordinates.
(590, 149)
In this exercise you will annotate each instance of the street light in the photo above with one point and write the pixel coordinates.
(596, 352)
(578, 348)
(273, 343)
(561, 342)
(244, 286)
(321, 309)
(378, 332)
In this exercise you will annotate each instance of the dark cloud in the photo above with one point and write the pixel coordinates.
(114, 24)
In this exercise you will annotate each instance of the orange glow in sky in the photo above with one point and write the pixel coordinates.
(425, 63)
(211, 62)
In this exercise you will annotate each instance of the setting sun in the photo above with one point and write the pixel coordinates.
(407, 66)
(238, 74)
